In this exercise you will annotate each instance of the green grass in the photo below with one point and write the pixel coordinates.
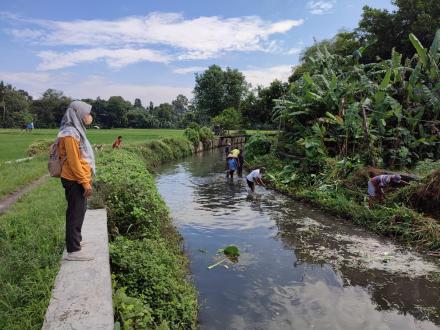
(31, 244)
(17, 175)
(148, 267)
(345, 196)
(14, 142)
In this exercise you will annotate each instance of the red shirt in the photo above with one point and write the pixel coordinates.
(117, 143)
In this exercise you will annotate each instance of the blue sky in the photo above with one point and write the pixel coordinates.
(151, 49)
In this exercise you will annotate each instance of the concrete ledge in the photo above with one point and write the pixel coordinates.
(82, 296)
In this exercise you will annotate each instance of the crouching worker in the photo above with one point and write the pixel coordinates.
(377, 184)
(255, 177)
(76, 173)
(117, 143)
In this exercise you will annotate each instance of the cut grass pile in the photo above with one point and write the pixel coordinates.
(31, 244)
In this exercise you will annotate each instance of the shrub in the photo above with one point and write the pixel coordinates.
(131, 312)
(180, 147)
(205, 134)
(192, 135)
(258, 145)
(135, 208)
(149, 270)
(194, 125)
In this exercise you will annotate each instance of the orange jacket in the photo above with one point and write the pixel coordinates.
(74, 168)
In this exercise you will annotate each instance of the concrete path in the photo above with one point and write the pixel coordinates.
(6, 203)
(82, 296)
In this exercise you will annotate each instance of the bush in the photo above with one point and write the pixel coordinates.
(180, 147)
(132, 312)
(135, 208)
(195, 126)
(205, 134)
(192, 135)
(258, 145)
(149, 270)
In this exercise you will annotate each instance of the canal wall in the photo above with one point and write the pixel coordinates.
(220, 141)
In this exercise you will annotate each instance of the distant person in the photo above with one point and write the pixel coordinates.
(30, 126)
(227, 149)
(240, 163)
(232, 162)
(76, 173)
(255, 177)
(377, 184)
(117, 142)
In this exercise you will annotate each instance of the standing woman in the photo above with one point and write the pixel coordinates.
(76, 173)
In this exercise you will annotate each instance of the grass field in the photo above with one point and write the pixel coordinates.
(31, 244)
(14, 142)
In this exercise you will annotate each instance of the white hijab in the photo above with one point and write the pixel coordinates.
(72, 125)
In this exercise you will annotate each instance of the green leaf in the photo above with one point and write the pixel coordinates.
(435, 47)
(421, 51)
(386, 80)
(231, 251)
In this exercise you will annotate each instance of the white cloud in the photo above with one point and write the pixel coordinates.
(22, 78)
(321, 6)
(191, 69)
(92, 86)
(197, 38)
(293, 51)
(265, 76)
(115, 58)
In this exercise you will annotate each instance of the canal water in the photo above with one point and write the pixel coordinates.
(298, 267)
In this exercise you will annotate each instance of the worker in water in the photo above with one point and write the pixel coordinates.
(240, 163)
(227, 149)
(232, 163)
(377, 184)
(255, 177)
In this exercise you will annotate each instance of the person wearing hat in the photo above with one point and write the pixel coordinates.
(227, 149)
(377, 184)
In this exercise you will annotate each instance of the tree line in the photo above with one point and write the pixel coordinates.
(18, 108)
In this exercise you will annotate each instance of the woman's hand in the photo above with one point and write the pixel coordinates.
(88, 192)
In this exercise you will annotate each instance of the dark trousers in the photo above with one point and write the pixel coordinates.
(76, 210)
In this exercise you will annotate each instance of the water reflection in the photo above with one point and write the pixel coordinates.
(298, 268)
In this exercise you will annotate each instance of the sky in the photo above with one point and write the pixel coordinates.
(152, 49)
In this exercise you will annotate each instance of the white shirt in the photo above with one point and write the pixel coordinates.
(255, 174)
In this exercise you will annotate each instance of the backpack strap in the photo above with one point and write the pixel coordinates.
(62, 161)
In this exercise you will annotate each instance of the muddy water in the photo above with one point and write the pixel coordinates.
(298, 268)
